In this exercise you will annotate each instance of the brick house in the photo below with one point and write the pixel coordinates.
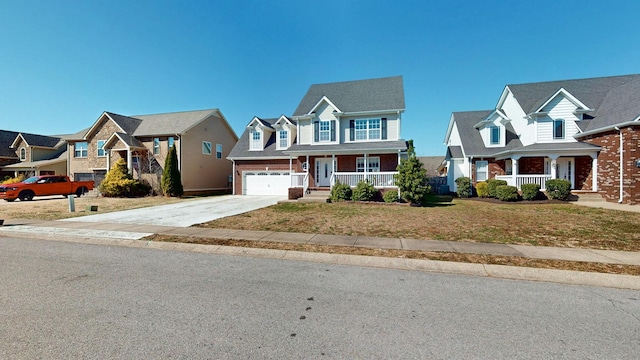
(586, 131)
(344, 131)
(31, 154)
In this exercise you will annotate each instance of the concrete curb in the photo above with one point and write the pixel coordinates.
(443, 267)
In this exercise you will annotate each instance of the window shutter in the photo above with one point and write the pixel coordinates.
(383, 125)
(352, 130)
(333, 130)
(316, 131)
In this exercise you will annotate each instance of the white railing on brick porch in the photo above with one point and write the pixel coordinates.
(525, 179)
(300, 180)
(383, 179)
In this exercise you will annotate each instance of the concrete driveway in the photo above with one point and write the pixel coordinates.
(186, 213)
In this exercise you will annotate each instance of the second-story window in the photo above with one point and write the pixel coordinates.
(368, 129)
(156, 146)
(325, 131)
(558, 129)
(23, 154)
(218, 151)
(101, 151)
(495, 135)
(170, 142)
(206, 147)
(256, 140)
(283, 138)
(80, 149)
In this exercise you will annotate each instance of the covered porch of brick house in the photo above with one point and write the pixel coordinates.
(580, 170)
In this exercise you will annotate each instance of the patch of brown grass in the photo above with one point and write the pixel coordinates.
(441, 256)
(540, 224)
(54, 208)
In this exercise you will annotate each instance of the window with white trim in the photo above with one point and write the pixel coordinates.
(367, 129)
(558, 129)
(373, 164)
(80, 149)
(283, 138)
(255, 140)
(170, 142)
(23, 154)
(206, 147)
(218, 151)
(482, 170)
(156, 146)
(494, 132)
(100, 146)
(324, 132)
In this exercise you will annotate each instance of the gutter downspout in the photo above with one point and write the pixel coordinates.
(621, 149)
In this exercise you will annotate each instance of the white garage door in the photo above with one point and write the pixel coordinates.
(266, 183)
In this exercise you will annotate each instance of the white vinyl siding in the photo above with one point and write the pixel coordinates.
(559, 108)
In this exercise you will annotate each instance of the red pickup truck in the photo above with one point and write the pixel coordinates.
(44, 185)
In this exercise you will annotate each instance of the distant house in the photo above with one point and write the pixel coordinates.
(434, 165)
(340, 132)
(7, 154)
(202, 139)
(33, 154)
(586, 131)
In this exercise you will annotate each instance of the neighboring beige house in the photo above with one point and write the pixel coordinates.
(37, 155)
(202, 139)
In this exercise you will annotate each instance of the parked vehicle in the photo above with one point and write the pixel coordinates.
(43, 186)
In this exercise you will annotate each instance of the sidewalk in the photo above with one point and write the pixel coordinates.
(134, 232)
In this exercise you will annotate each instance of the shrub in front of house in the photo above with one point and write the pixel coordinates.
(10, 180)
(364, 191)
(119, 183)
(507, 193)
(558, 189)
(482, 189)
(340, 192)
(530, 191)
(463, 187)
(390, 196)
(492, 185)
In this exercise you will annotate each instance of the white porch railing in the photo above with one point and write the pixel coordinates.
(300, 180)
(525, 179)
(378, 179)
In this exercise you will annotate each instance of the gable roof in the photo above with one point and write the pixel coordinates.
(356, 96)
(472, 143)
(38, 140)
(172, 123)
(241, 148)
(431, 164)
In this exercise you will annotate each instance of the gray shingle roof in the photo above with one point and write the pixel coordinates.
(359, 95)
(615, 99)
(6, 139)
(241, 148)
(431, 164)
(454, 152)
(471, 139)
(40, 140)
(169, 123)
(126, 123)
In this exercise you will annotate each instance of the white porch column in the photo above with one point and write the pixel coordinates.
(366, 165)
(307, 161)
(514, 170)
(594, 172)
(554, 173)
(129, 161)
(333, 170)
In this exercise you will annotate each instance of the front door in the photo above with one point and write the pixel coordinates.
(324, 170)
(565, 169)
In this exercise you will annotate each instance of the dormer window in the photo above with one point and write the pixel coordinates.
(23, 154)
(255, 140)
(283, 139)
(558, 129)
(495, 135)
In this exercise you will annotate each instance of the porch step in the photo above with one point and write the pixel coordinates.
(588, 197)
(316, 196)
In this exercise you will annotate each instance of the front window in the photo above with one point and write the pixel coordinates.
(206, 147)
(482, 172)
(373, 164)
(325, 131)
(218, 151)
(23, 154)
(156, 146)
(495, 135)
(283, 138)
(367, 129)
(101, 151)
(81, 150)
(170, 142)
(558, 129)
(256, 140)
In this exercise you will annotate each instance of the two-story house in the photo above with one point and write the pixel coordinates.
(343, 131)
(586, 131)
(35, 154)
(202, 138)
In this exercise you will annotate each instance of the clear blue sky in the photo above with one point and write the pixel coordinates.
(64, 62)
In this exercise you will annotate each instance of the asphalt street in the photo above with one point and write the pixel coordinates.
(68, 300)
